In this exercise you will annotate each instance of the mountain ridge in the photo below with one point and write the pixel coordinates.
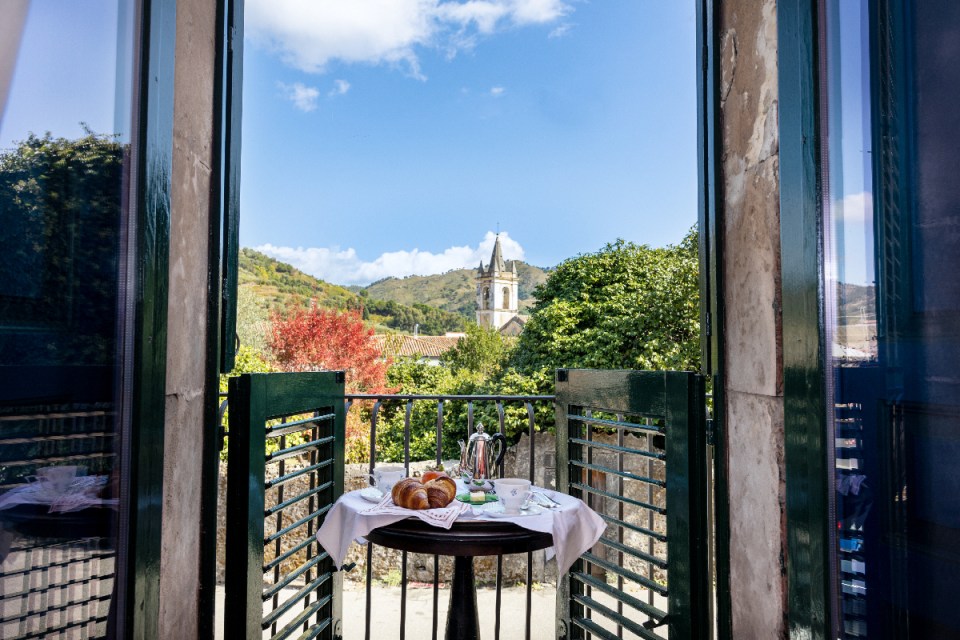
(453, 291)
(438, 303)
(268, 286)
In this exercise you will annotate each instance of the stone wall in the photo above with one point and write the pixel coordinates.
(752, 331)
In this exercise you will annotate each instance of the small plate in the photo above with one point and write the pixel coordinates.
(484, 486)
(371, 494)
(487, 497)
(532, 510)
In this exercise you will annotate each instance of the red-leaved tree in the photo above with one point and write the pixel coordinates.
(312, 339)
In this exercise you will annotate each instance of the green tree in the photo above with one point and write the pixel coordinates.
(60, 215)
(627, 306)
(483, 351)
(411, 377)
(253, 321)
(248, 360)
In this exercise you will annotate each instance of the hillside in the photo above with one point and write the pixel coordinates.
(273, 286)
(277, 285)
(454, 291)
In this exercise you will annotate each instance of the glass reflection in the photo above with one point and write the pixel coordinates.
(891, 254)
(65, 122)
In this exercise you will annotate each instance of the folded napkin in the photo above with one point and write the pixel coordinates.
(443, 517)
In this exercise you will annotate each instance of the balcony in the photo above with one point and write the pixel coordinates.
(616, 452)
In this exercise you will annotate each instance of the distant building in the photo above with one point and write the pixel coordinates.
(498, 294)
(514, 326)
(428, 349)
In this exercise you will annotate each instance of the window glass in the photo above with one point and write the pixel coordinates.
(66, 78)
(891, 254)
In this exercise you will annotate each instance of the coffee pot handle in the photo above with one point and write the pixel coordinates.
(502, 440)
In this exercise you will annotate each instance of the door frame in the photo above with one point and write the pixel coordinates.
(144, 332)
(804, 345)
(710, 221)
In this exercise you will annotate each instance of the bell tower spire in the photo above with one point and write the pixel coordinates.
(497, 290)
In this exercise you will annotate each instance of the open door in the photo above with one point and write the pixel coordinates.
(632, 444)
(285, 471)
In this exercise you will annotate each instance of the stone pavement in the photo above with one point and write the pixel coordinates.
(385, 614)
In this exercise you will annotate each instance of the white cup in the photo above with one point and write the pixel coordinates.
(514, 493)
(384, 478)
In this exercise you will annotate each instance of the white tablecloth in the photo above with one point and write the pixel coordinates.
(82, 493)
(574, 526)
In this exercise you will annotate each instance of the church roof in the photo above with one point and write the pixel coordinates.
(496, 260)
(514, 326)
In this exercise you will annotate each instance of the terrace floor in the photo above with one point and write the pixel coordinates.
(385, 618)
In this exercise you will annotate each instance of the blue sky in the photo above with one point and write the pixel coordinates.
(388, 137)
(69, 49)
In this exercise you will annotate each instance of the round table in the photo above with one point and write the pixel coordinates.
(464, 540)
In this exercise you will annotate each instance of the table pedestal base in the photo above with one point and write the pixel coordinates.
(463, 541)
(462, 620)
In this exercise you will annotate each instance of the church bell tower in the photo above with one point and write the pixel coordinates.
(498, 297)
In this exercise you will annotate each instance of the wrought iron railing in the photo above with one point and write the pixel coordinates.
(495, 410)
(630, 444)
(285, 589)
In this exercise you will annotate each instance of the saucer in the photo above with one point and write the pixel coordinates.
(532, 510)
(371, 494)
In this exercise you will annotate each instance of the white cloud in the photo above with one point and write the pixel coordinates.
(560, 31)
(303, 97)
(496, 92)
(340, 87)
(857, 208)
(309, 34)
(344, 266)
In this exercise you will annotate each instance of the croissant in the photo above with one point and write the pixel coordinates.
(441, 491)
(409, 493)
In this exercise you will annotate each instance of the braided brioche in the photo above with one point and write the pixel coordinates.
(410, 493)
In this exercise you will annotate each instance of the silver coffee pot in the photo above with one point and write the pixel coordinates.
(481, 455)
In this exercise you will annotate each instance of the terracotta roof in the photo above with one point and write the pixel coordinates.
(426, 346)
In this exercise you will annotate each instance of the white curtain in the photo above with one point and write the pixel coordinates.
(13, 17)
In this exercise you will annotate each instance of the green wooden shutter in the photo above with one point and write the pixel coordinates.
(285, 470)
(633, 445)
